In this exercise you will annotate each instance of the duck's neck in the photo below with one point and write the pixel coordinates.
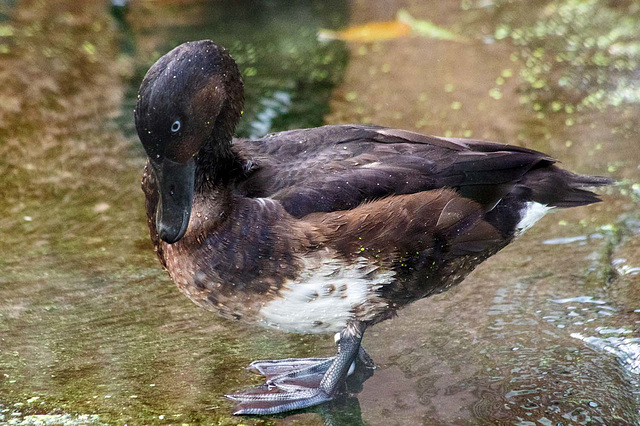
(216, 162)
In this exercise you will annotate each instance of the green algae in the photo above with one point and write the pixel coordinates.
(580, 53)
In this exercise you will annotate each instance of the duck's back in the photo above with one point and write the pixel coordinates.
(337, 168)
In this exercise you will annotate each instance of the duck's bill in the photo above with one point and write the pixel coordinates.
(175, 184)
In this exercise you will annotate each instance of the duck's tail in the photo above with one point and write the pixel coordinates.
(554, 187)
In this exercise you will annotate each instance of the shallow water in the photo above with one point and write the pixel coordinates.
(545, 332)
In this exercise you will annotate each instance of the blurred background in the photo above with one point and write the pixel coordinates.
(93, 332)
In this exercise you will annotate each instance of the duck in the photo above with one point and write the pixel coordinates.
(323, 230)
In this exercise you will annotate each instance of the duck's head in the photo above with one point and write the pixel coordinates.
(188, 106)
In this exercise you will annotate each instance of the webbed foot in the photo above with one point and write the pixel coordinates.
(297, 383)
(297, 372)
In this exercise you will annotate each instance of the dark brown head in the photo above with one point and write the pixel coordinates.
(189, 101)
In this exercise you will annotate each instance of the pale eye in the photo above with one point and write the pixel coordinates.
(176, 126)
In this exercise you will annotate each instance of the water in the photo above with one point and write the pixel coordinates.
(546, 332)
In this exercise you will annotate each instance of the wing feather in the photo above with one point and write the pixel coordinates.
(335, 168)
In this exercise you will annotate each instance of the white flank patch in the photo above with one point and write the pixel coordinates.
(373, 165)
(531, 213)
(325, 295)
(263, 202)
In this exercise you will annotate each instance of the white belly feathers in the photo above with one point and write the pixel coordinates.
(327, 293)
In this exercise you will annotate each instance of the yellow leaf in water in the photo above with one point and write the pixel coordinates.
(372, 31)
(403, 26)
(429, 29)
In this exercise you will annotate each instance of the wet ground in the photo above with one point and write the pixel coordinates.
(92, 331)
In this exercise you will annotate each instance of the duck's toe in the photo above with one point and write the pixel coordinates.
(365, 359)
(295, 383)
(292, 367)
(274, 399)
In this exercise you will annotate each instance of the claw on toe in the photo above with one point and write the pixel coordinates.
(365, 359)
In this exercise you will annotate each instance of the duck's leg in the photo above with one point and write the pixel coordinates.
(304, 387)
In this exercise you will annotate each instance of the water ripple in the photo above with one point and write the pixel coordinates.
(626, 349)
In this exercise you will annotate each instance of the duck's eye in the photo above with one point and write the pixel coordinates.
(176, 126)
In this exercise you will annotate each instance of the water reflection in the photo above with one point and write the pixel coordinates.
(627, 350)
(589, 315)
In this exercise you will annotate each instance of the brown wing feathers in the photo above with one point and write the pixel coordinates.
(365, 163)
(431, 223)
(337, 168)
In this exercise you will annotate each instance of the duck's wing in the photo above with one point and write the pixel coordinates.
(335, 168)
